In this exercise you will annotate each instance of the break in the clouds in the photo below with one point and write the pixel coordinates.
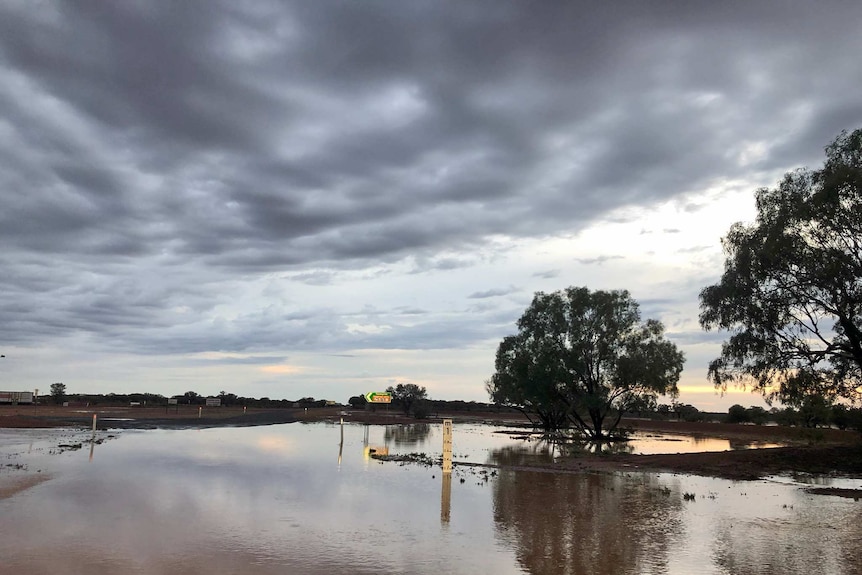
(284, 179)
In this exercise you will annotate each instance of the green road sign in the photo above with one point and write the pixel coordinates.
(378, 397)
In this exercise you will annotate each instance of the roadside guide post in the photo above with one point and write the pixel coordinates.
(446, 489)
(447, 446)
(378, 397)
(375, 397)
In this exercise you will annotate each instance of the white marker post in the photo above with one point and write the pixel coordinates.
(446, 490)
(200, 410)
(447, 446)
(341, 444)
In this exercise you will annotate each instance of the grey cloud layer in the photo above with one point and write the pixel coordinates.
(154, 151)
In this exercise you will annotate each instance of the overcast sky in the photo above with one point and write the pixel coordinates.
(291, 199)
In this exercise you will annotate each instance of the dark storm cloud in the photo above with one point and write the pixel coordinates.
(153, 151)
(424, 264)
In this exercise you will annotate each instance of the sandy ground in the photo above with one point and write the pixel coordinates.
(821, 451)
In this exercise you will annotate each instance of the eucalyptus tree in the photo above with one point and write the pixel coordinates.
(407, 395)
(581, 358)
(791, 291)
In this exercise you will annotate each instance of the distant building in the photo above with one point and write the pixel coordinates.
(16, 397)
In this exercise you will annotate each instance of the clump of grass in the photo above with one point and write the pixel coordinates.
(689, 496)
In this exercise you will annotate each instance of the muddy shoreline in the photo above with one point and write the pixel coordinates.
(818, 452)
(183, 417)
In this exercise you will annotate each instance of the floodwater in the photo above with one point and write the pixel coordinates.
(298, 498)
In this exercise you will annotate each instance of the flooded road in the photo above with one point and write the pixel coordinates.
(297, 499)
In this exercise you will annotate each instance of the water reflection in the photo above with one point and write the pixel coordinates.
(600, 447)
(408, 435)
(804, 539)
(585, 523)
(640, 443)
(227, 501)
(341, 445)
(534, 452)
(546, 450)
(655, 443)
(446, 498)
(266, 501)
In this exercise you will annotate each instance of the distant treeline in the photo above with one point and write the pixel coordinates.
(188, 398)
(812, 413)
(809, 414)
(434, 406)
(459, 405)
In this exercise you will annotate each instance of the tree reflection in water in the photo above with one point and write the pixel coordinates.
(547, 448)
(406, 435)
(579, 523)
(599, 447)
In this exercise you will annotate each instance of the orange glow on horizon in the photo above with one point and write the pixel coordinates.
(281, 369)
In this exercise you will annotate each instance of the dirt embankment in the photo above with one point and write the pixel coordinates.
(181, 417)
(747, 464)
(809, 451)
(748, 433)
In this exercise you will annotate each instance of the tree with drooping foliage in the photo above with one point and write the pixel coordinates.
(791, 292)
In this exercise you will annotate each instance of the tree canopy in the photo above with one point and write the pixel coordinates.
(407, 395)
(58, 392)
(581, 357)
(791, 292)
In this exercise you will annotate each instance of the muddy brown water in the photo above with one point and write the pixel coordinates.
(297, 498)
